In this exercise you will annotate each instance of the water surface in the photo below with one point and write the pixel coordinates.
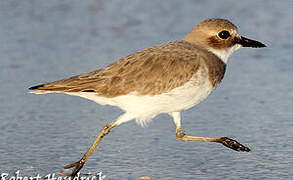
(44, 41)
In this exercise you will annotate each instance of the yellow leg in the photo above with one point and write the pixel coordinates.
(180, 135)
(106, 130)
(230, 143)
(79, 164)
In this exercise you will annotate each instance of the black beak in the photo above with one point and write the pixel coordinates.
(245, 42)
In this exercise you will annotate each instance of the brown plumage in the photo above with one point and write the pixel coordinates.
(169, 78)
(151, 71)
(204, 35)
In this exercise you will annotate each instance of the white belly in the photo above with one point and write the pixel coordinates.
(146, 107)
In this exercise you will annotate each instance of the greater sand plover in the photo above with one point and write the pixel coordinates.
(168, 78)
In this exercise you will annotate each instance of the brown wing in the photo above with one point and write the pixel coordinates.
(151, 71)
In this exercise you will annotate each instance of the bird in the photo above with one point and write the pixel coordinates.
(162, 79)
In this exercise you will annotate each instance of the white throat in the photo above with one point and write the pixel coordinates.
(224, 54)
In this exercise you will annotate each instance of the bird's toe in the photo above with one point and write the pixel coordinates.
(233, 144)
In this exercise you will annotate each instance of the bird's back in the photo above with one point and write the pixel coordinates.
(151, 71)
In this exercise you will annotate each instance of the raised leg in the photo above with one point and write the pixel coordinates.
(106, 130)
(180, 135)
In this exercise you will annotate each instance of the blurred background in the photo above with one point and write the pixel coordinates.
(43, 41)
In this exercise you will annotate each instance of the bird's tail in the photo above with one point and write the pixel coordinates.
(39, 89)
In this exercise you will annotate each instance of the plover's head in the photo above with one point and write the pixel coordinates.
(220, 37)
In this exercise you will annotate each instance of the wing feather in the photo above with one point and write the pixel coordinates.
(150, 71)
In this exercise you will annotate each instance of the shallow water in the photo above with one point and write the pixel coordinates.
(44, 41)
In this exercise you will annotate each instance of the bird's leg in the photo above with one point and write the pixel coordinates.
(107, 128)
(180, 135)
(79, 164)
(230, 143)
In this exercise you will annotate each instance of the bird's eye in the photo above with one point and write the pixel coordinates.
(224, 34)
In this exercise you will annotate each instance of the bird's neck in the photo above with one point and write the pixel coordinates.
(225, 53)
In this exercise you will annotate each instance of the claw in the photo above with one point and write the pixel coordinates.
(78, 165)
(230, 143)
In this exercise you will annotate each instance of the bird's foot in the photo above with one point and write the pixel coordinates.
(77, 167)
(230, 143)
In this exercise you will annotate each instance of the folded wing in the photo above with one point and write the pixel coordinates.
(150, 71)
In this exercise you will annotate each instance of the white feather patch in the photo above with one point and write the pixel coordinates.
(224, 54)
(144, 108)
